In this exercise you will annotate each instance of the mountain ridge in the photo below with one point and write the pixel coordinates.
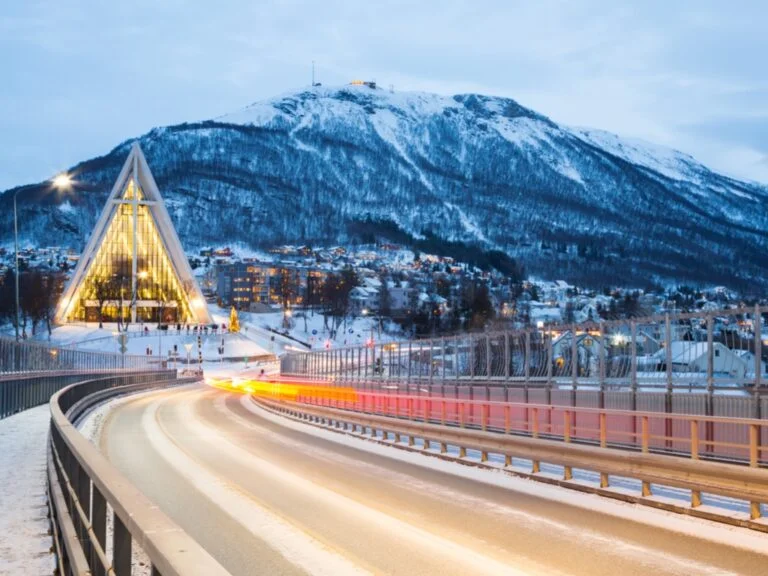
(314, 164)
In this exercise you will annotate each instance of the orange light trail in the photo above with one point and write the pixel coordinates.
(292, 392)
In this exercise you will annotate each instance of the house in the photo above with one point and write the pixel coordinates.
(588, 347)
(363, 299)
(694, 357)
(399, 296)
(749, 358)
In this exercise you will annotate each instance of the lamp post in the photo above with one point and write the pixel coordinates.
(62, 181)
(16, 249)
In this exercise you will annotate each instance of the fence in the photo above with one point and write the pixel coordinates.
(655, 472)
(708, 351)
(24, 357)
(85, 490)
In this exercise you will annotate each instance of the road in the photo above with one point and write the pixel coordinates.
(264, 496)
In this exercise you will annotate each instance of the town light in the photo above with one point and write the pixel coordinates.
(143, 274)
(62, 181)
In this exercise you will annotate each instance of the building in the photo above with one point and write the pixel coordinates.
(133, 267)
(243, 284)
(694, 357)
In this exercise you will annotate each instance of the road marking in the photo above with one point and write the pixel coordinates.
(697, 528)
(294, 545)
(475, 562)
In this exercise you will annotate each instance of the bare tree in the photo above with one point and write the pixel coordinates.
(102, 290)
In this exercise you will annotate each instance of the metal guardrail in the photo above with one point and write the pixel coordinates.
(23, 391)
(717, 438)
(82, 483)
(748, 483)
(25, 357)
(708, 350)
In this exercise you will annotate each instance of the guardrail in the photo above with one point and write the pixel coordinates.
(25, 357)
(709, 349)
(748, 483)
(82, 484)
(743, 440)
(23, 391)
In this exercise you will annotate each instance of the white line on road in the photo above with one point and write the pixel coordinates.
(448, 550)
(695, 527)
(294, 545)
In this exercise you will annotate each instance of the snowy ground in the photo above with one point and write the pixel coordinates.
(25, 546)
(355, 331)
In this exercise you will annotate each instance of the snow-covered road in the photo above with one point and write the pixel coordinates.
(267, 496)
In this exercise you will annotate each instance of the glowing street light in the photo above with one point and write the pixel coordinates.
(62, 181)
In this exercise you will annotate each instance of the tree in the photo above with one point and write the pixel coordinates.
(101, 290)
(481, 308)
(385, 298)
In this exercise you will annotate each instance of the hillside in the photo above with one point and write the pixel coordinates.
(326, 165)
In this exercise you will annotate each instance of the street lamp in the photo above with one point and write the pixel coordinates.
(61, 182)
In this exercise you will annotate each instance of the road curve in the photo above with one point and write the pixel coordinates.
(264, 497)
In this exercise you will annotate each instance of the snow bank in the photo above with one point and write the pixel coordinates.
(25, 546)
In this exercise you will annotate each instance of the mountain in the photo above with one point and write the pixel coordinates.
(467, 173)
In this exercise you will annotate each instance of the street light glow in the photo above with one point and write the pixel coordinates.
(143, 274)
(62, 181)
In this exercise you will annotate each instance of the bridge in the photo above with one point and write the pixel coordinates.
(569, 450)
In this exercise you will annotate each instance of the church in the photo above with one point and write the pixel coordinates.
(133, 268)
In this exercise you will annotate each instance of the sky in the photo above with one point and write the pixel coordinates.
(77, 77)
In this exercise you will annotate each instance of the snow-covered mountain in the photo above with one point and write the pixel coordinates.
(352, 163)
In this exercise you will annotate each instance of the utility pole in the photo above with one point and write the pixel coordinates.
(16, 245)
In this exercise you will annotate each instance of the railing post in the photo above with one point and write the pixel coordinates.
(601, 366)
(710, 355)
(431, 365)
(410, 356)
(668, 351)
(443, 356)
(754, 439)
(506, 355)
(487, 357)
(121, 549)
(471, 358)
(633, 363)
(99, 521)
(757, 327)
(456, 358)
(550, 360)
(527, 359)
(574, 359)
(604, 480)
(668, 397)
(695, 494)
(567, 470)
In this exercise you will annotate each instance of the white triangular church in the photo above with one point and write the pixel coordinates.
(133, 266)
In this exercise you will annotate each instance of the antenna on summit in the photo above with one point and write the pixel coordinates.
(313, 75)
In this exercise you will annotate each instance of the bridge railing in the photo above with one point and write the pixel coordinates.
(705, 351)
(433, 428)
(86, 491)
(34, 357)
